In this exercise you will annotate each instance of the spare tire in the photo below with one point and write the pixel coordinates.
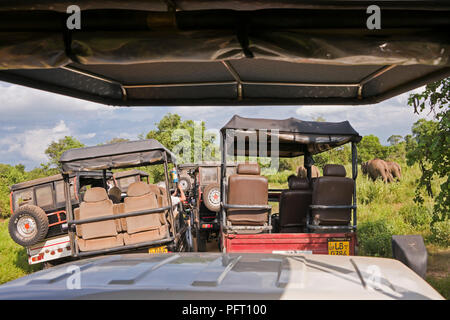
(28, 225)
(185, 182)
(211, 197)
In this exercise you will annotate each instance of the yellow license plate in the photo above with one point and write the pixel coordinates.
(162, 249)
(339, 248)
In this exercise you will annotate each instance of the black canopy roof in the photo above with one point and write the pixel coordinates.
(116, 155)
(134, 172)
(232, 52)
(292, 135)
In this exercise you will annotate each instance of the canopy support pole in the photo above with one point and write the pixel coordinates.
(166, 176)
(69, 214)
(354, 176)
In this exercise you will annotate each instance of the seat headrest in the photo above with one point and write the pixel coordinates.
(137, 189)
(334, 170)
(95, 194)
(297, 183)
(154, 188)
(248, 168)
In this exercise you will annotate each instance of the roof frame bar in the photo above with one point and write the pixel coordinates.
(237, 81)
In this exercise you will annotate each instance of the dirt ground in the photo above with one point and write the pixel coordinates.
(211, 246)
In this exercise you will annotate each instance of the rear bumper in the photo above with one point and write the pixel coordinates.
(49, 249)
(315, 243)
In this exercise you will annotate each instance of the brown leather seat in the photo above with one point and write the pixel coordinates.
(102, 234)
(332, 189)
(247, 187)
(294, 205)
(143, 228)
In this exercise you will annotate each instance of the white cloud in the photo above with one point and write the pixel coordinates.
(31, 144)
(25, 105)
(87, 136)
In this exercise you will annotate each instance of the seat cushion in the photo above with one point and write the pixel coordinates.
(100, 243)
(294, 205)
(247, 190)
(95, 194)
(146, 236)
(334, 170)
(332, 190)
(248, 168)
(94, 210)
(143, 222)
(137, 189)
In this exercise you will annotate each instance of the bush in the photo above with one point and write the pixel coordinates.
(440, 233)
(374, 238)
(280, 177)
(417, 216)
(369, 191)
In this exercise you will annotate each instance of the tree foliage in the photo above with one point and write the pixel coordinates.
(395, 139)
(370, 148)
(10, 175)
(187, 139)
(56, 149)
(432, 143)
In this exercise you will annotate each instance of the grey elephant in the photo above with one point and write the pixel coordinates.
(395, 169)
(377, 168)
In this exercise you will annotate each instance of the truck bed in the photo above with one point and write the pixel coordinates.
(316, 243)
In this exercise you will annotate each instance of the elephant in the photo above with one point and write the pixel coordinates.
(377, 168)
(395, 169)
(301, 172)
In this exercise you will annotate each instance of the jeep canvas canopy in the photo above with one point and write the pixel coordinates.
(294, 136)
(178, 52)
(128, 173)
(115, 156)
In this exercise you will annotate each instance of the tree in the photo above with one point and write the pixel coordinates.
(56, 149)
(394, 139)
(432, 143)
(187, 139)
(370, 148)
(410, 143)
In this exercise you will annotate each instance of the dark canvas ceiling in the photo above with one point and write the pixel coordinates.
(225, 53)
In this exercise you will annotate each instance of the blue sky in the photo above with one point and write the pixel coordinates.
(31, 119)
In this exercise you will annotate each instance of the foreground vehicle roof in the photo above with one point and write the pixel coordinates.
(224, 276)
(293, 136)
(274, 52)
(115, 155)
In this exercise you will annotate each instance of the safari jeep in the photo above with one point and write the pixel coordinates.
(201, 183)
(143, 220)
(316, 215)
(38, 214)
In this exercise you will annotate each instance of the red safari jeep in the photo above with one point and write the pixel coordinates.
(317, 215)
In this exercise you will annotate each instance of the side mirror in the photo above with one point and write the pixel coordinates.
(411, 250)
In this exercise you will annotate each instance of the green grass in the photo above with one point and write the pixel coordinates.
(438, 272)
(13, 258)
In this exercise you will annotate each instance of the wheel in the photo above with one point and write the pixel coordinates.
(185, 182)
(28, 225)
(201, 241)
(189, 244)
(211, 197)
